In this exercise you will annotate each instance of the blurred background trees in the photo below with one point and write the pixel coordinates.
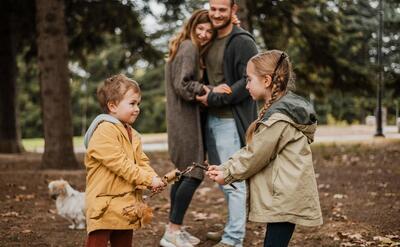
(332, 44)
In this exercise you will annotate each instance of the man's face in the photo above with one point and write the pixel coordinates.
(221, 13)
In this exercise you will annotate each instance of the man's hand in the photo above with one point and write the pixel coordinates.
(216, 174)
(157, 184)
(203, 99)
(222, 88)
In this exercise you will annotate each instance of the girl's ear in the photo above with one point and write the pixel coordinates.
(111, 106)
(267, 81)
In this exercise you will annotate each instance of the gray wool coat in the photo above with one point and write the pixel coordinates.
(184, 125)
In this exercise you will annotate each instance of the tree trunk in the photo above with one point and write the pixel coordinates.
(10, 136)
(54, 85)
(243, 14)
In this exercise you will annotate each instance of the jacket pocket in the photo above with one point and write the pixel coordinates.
(101, 205)
(275, 171)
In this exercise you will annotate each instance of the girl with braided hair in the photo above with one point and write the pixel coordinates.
(277, 159)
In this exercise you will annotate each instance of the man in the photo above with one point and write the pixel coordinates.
(229, 115)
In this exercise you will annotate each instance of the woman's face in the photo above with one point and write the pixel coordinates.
(203, 33)
(258, 87)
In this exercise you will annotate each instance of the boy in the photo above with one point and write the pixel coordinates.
(117, 169)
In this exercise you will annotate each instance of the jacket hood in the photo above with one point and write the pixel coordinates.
(93, 126)
(296, 110)
(237, 31)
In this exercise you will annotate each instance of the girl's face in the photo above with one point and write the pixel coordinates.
(203, 33)
(258, 87)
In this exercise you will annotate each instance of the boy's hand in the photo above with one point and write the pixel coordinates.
(157, 184)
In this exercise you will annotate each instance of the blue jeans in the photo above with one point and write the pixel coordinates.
(222, 140)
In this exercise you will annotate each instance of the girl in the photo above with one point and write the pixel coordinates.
(277, 159)
(183, 73)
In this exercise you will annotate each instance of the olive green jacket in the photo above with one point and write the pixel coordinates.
(278, 164)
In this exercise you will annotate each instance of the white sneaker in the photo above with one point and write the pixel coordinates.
(174, 239)
(192, 239)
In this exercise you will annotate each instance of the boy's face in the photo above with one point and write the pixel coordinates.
(127, 110)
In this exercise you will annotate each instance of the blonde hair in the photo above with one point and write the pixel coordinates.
(113, 90)
(189, 32)
(276, 64)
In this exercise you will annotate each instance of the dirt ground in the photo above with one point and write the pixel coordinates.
(358, 185)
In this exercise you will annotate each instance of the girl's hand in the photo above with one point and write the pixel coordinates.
(235, 20)
(216, 174)
(222, 88)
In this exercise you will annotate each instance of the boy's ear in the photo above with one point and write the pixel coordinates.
(111, 106)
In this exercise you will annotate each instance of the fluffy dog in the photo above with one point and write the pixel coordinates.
(70, 203)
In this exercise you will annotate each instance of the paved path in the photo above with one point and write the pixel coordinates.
(324, 134)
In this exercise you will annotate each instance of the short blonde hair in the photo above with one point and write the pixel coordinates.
(113, 90)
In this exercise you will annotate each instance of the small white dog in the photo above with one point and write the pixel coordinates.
(70, 203)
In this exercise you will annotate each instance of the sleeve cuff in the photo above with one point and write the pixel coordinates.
(228, 178)
(149, 179)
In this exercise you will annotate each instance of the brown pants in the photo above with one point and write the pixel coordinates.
(117, 238)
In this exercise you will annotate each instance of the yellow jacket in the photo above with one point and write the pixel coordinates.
(117, 172)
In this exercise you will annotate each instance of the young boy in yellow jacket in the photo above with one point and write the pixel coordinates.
(117, 169)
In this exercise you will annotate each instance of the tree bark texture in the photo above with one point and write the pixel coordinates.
(54, 85)
(244, 15)
(10, 135)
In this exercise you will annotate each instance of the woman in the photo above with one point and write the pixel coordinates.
(183, 73)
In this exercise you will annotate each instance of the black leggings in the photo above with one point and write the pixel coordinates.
(181, 195)
(278, 234)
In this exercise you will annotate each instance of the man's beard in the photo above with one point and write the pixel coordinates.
(225, 24)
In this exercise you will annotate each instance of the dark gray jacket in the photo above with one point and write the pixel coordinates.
(240, 47)
(184, 126)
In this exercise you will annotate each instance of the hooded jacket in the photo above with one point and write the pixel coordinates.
(278, 163)
(117, 172)
(240, 47)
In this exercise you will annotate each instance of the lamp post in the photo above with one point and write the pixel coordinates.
(379, 132)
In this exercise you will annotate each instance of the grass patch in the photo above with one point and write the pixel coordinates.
(33, 144)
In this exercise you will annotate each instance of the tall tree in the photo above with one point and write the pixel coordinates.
(10, 138)
(54, 79)
(244, 15)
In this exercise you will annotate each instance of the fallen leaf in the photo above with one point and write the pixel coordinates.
(52, 211)
(10, 214)
(23, 197)
(383, 239)
(199, 216)
(339, 196)
(22, 187)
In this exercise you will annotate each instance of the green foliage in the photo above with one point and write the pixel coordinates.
(332, 45)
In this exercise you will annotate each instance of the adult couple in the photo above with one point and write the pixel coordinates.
(208, 111)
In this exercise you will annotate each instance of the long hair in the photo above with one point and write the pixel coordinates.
(188, 32)
(276, 64)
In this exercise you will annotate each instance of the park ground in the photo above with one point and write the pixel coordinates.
(358, 182)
